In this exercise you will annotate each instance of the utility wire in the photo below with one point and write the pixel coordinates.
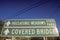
(19, 12)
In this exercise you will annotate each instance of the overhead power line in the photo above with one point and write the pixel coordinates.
(39, 3)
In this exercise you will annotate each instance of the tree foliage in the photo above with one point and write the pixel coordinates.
(1, 25)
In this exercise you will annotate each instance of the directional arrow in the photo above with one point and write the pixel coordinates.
(8, 23)
(6, 32)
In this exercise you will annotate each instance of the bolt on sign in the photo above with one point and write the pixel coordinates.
(30, 27)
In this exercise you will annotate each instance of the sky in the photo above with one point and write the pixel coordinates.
(30, 9)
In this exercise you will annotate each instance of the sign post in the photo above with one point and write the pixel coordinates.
(13, 38)
(44, 38)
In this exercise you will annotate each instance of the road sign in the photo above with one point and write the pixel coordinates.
(33, 32)
(29, 23)
(33, 28)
